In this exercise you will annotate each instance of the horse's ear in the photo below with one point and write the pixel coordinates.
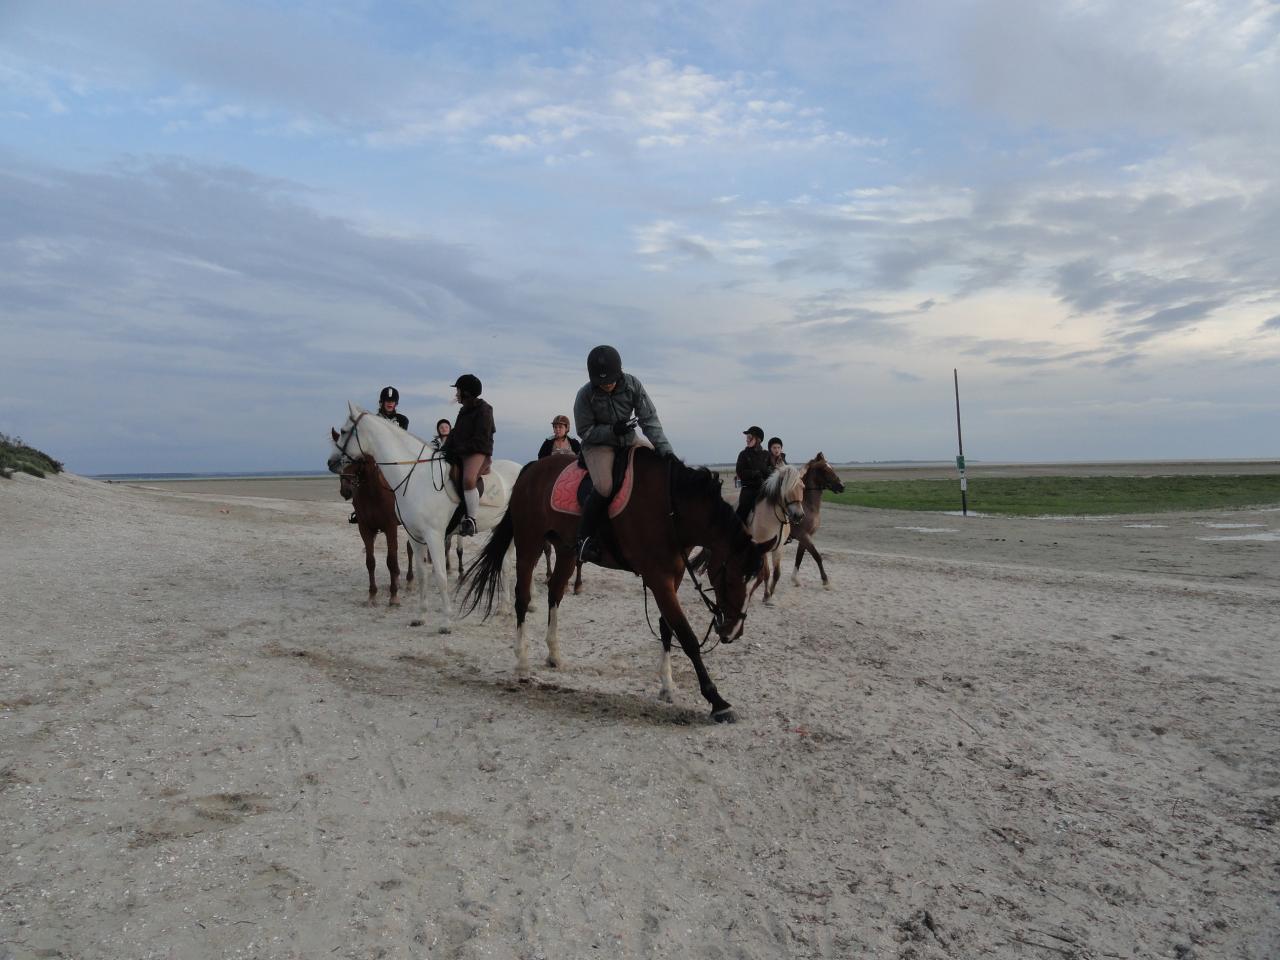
(819, 456)
(352, 408)
(333, 433)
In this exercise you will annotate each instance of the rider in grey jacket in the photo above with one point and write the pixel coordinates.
(606, 413)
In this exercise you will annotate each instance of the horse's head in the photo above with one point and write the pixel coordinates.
(730, 573)
(349, 478)
(346, 442)
(820, 475)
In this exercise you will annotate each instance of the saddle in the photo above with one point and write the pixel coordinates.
(492, 494)
(570, 490)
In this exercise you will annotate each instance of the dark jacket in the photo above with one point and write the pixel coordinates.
(753, 466)
(399, 418)
(546, 449)
(595, 412)
(472, 431)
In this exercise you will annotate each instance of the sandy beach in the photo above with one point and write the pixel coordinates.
(991, 737)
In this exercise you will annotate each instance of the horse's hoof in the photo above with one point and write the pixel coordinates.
(666, 697)
(725, 715)
(577, 590)
(445, 629)
(415, 623)
(826, 584)
(393, 602)
(553, 663)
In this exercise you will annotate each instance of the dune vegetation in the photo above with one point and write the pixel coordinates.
(17, 457)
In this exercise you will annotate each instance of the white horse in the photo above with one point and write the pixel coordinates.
(781, 503)
(425, 498)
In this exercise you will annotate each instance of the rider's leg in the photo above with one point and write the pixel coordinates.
(600, 466)
(471, 467)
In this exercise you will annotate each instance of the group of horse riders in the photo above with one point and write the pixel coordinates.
(607, 411)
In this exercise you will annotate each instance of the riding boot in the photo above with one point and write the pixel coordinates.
(588, 540)
(467, 527)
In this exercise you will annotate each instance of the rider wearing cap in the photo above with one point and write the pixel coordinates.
(470, 444)
(752, 468)
(559, 441)
(387, 401)
(606, 412)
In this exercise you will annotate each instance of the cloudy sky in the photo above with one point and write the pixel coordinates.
(221, 220)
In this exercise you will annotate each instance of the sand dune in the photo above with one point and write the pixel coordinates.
(992, 737)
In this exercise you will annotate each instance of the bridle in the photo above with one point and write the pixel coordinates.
(712, 604)
(401, 488)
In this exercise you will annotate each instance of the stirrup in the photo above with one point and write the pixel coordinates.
(467, 527)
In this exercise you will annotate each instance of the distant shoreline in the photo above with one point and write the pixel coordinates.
(323, 487)
(912, 467)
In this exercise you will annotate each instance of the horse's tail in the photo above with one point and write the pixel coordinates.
(483, 579)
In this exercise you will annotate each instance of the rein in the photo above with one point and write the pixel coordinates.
(717, 613)
(401, 488)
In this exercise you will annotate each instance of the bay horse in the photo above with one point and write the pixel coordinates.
(779, 510)
(672, 509)
(362, 483)
(425, 500)
(819, 475)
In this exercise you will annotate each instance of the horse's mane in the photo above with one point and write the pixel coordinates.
(779, 482)
(372, 417)
(702, 484)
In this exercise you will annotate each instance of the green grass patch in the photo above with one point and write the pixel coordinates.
(17, 457)
(1066, 496)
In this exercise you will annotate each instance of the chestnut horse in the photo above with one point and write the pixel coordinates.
(818, 476)
(672, 509)
(362, 483)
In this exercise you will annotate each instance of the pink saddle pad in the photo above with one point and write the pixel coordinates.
(564, 494)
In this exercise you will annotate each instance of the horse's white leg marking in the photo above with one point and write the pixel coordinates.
(667, 691)
(435, 543)
(421, 556)
(553, 637)
(522, 653)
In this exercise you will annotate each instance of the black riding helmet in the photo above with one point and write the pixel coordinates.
(468, 385)
(389, 395)
(604, 365)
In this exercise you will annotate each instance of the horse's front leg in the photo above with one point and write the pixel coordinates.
(436, 547)
(421, 557)
(775, 564)
(802, 544)
(665, 595)
(393, 566)
(667, 686)
(370, 563)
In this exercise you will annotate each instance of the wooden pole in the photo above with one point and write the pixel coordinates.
(964, 484)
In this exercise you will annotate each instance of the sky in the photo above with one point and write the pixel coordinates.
(220, 221)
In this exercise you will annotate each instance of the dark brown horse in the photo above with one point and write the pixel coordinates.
(818, 476)
(362, 483)
(672, 509)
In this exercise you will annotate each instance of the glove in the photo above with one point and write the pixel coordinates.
(623, 427)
